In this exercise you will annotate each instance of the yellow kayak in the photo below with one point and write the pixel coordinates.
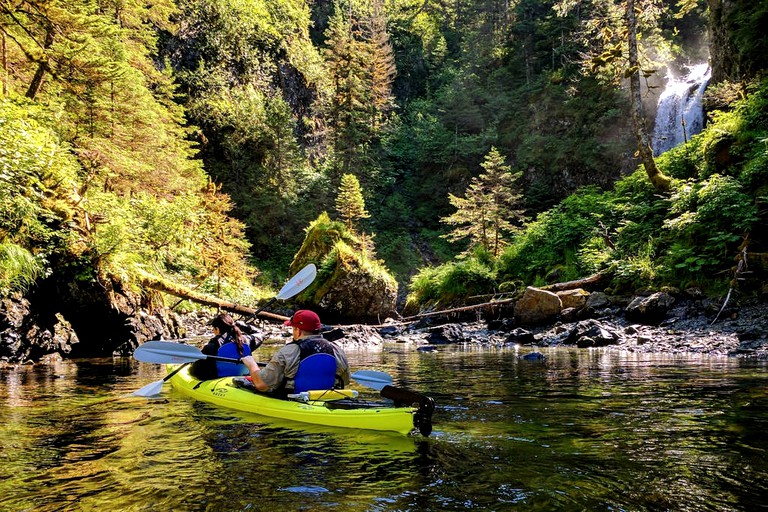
(233, 393)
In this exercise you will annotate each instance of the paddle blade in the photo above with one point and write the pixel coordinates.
(298, 282)
(150, 390)
(372, 379)
(167, 352)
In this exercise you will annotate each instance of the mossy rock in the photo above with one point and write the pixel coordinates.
(351, 285)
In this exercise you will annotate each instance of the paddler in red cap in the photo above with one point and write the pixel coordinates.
(277, 376)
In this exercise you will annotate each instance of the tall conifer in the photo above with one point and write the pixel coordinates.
(488, 211)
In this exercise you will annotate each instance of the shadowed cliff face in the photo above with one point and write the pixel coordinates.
(734, 54)
(80, 318)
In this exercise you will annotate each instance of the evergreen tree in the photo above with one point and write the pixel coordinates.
(350, 203)
(361, 66)
(382, 69)
(348, 109)
(488, 210)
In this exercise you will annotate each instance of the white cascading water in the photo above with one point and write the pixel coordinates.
(680, 112)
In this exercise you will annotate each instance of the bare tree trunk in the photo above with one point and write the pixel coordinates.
(461, 309)
(658, 179)
(587, 282)
(42, 68)
(166, 287)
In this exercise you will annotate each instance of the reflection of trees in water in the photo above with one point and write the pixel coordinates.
(580, 430)
(61, 422)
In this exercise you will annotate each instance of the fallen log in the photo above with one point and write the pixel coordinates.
(578, 283)
(461, 309)
(167, 287)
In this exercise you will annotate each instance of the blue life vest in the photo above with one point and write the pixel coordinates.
(229, 349)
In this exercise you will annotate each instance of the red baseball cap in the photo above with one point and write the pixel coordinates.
(305, 320)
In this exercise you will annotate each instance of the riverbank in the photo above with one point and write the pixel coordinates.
(689, 327)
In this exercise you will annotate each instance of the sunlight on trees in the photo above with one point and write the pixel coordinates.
(350, 203)
(488, 211)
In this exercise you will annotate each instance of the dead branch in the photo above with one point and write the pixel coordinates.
(461, 309)
(741, 268)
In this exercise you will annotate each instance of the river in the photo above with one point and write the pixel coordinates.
(581, 430)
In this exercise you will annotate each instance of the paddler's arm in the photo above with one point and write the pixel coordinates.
(253, 369)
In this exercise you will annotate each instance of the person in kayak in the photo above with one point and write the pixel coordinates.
(229, 340)
(277, 376)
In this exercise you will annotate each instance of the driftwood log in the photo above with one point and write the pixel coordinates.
(586, 282)
(461, 309)
(166, 287)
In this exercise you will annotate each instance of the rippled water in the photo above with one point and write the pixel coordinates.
(583, 430)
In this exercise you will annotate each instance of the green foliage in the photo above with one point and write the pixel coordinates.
(285, 97)
(321, 236)
(450, 282)
(101, 179)
(37, 193)
(487, 213)
(350, 203)
(555, 238)
(706, 224)
(18, 269)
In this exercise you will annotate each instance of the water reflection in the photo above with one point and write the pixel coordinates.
(581, 430)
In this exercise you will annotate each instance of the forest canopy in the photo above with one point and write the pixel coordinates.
(196, 140)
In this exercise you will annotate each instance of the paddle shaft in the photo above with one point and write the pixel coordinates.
(260, 309)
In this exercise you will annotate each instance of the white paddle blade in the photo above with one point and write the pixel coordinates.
(167, 352)
(372, 379)
(150, 390)
(298, 282)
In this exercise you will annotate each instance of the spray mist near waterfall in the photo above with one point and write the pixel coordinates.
(680, 111)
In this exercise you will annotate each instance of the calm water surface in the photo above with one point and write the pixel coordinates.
(584, 430)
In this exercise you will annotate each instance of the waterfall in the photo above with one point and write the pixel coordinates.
(680, 112)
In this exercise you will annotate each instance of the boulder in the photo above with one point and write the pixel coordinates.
(591, 333)
(354, 335)
(358, 295)
(26, 336)
(537, 306)
(350, 285)
(448, 333)
(649, 310)
(576, 299)
(520, 337)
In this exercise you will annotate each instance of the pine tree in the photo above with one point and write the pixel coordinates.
(350, 203)
(382, 69)
(488, 210)
(361, 65)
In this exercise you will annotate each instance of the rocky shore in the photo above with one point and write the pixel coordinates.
(660, 322)
(699, 326)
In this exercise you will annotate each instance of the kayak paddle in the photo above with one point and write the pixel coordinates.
(372, 379)
(297, 283)
(170, 353)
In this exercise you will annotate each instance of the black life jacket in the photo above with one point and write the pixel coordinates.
(314, 345)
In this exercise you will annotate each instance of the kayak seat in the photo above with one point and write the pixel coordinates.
(317, 371)
(231, 369)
